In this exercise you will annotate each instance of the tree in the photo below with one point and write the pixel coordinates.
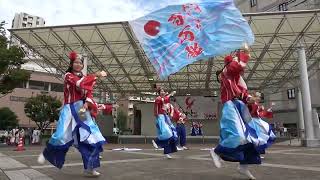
(8, 119)
(11, 59)
(43, 110)
(121, 120)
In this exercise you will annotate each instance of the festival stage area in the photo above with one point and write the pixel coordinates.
(281, 162)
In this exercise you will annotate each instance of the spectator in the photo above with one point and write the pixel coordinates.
(22, 135)
(29, 135)
(12, 137)
(200, 132)
(194, 130)
(36, 136)
(16, 135)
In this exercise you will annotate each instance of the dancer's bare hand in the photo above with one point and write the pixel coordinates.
(85, 106)
(245, 47)
(253, 100)
(101, 74)
(173, 93)
(257, 99)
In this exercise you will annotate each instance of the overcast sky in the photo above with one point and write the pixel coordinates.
(62, 12)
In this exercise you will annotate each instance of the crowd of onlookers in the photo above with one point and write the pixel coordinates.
(28, 135)
(32, 135)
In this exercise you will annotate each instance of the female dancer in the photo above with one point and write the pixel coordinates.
(180, 118)
(76, 125)
(263, 129)
(166, 132)
(237, 140)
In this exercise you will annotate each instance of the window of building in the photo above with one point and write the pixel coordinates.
(253, 3)
(21, 85)
(24, 25)
(46, 86)
(25, 19)
(283, 7)
(56, 87)
(31, 18)
(39, 85)
(291, 93)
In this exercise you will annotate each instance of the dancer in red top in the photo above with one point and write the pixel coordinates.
(180, 118)
(76, 125)
(264, 131)
(237, 141)
(166, 132)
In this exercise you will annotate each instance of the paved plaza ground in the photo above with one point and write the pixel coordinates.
(281, 162)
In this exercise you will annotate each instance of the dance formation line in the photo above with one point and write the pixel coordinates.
(198, 31)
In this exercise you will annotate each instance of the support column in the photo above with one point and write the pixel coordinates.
(300, 113)
(49, 86)
(316, 126)
(309, 140)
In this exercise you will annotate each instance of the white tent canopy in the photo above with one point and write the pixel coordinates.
(112, 47)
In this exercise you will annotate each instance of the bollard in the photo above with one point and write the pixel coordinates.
(202, 139)
(290, 138)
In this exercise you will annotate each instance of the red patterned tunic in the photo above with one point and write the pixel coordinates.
(258, 111)
(76, 88)
(161, 105)
(232, 84)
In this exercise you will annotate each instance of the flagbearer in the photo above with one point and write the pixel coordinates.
(238, 141)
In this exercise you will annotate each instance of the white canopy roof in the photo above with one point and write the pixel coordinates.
(113, 47)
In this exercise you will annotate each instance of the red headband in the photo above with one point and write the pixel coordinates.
(72, 56)
(228, 59)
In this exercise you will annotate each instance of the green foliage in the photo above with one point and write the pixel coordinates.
(8, 119)
(10, 63)
(43, 110)
(121, 120)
